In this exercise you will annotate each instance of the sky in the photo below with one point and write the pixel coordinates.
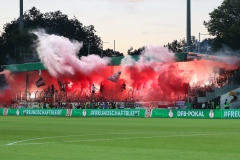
(130, 23)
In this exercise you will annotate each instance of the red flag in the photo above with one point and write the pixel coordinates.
(40, 82)
(115, 77)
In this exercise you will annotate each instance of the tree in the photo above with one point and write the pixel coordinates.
(111, 53)
(224, 25)
(181, 46)
(205, 46)
(138, 51)
(176, 46)
(13, 41)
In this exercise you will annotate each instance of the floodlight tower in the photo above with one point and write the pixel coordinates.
(188, 25)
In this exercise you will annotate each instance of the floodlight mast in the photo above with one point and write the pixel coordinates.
(21, 15)
(188, 25)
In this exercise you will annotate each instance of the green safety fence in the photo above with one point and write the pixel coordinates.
(1, 111)
(194, 113)
(155, 113)
(38, 112)
(114, 112)
(75, 112)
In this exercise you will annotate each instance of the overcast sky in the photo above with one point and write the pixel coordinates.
(133, 23)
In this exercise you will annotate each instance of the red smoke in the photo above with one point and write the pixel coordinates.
(143, 85)
(154, 77)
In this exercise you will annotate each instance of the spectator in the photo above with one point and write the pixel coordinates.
(101, 89)
(93, 89)
(226, 104)
(203, 105)
(123, 87)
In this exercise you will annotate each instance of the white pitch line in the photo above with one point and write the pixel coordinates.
(166, 136)
(33, 139)
(127, 138)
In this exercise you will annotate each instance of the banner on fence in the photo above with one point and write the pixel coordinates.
(148, 113)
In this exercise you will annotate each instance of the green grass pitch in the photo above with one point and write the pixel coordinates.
(71, 138)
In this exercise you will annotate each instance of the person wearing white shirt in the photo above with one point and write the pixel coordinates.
(93, 89)
(203, 105)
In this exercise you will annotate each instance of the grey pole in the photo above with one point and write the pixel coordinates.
(102, 50)
(114, 48)
(21, 14)
(188, 25)
(199, 41)
(199, 36)
(88, 48)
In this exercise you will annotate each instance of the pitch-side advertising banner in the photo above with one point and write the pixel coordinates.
(148, 113)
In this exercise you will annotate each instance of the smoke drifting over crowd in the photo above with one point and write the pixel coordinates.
(156, 76)
(59, 55)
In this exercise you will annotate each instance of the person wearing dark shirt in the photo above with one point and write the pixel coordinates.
(101, 89)
(53, 90)
(123, 87)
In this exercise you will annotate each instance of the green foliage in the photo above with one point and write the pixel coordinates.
(132, 51)
(177, 46)
(111, 53)
(205, 46)
(15, 42)
(224, 24)
(180, 46)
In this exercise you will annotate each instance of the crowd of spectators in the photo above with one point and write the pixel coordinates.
(200, 88)
(64, 100)
(65, 105)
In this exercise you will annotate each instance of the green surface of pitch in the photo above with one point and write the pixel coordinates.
(60, 138)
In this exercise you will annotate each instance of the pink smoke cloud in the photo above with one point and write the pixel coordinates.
(59, 56)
